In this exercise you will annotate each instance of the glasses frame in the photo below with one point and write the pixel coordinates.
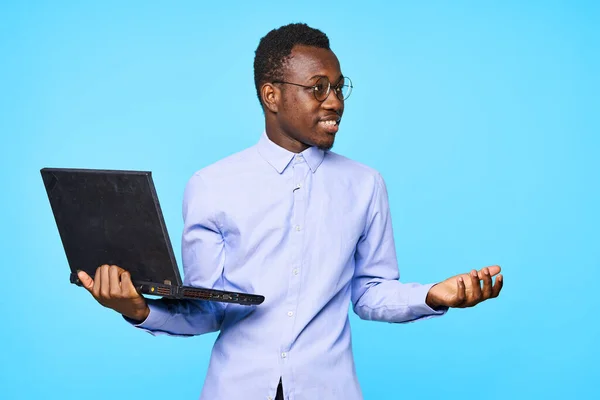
(347, 82)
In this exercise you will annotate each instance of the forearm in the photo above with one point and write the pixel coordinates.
(395, 302)
(182, 317)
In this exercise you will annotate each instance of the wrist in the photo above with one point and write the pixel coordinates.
(139, 316)
(432, 301)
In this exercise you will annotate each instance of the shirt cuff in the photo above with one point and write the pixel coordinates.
(418, 305)
(158, 316)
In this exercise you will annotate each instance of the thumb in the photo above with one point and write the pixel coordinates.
(85, 279)
(494, 270)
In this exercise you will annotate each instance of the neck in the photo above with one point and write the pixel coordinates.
(280, 138)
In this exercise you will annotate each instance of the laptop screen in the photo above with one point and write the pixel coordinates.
(111, 217)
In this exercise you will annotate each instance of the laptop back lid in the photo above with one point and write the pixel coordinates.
(111, 217)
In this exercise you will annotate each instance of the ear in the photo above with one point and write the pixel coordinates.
(271, 96)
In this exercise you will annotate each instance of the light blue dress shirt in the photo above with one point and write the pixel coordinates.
(311, 232)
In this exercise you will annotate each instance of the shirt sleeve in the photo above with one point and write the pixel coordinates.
(377, 293)
(203, 257)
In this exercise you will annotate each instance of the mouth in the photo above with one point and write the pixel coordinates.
(330, 125)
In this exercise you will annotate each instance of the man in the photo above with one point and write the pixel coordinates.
(307, 228)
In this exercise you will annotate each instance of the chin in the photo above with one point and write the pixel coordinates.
(326, 143)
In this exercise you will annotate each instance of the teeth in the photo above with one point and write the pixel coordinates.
(332, 122)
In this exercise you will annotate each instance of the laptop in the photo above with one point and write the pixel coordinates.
(113, 217)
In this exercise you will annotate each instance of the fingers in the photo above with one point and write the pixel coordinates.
(105, 288)
(486, 292)
(489, 290)
(476, 294)
(112, 288)
(97, 282)
(469, 291)
(498, 286)
(127, 286)
(493, 270)
(107, 282)
(461, 292)
(114, 273)
(85, 280)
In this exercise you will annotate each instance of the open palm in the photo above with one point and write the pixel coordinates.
(466, 290)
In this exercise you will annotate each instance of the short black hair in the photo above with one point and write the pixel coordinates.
(276, 46)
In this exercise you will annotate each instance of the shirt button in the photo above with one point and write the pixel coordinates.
(269, 398)
(296, 271)
(290, 313)
(283, 355)
(298, 228)
(298, 186)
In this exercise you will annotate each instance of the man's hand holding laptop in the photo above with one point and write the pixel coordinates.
(112, 287)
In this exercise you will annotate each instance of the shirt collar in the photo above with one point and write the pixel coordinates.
(279, 158)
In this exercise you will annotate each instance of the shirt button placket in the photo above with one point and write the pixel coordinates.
(300, 171)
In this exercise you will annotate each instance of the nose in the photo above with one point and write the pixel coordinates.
(333, 103)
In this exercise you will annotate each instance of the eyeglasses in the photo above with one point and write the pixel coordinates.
(322, 87)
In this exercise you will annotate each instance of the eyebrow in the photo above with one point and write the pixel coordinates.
(324, 76)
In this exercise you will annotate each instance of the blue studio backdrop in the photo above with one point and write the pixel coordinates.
(482, 117)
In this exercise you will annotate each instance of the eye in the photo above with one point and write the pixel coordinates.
(319, 87)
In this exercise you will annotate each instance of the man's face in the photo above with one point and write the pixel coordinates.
(300, 116)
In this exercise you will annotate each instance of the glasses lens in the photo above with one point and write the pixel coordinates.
(322, 88)
(345, 89)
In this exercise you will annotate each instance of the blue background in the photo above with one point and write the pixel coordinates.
(481, 116)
